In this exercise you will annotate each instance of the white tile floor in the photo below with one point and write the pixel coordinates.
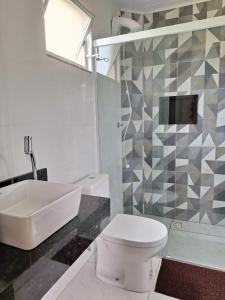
(80, 283)
(86, 286)
(156, 296)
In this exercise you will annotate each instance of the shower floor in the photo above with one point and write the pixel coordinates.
(197, 244)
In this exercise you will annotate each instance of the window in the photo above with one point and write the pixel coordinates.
(67, 30)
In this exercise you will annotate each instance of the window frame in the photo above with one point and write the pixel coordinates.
(86, 42)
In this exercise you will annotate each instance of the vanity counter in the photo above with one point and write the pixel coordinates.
(30, 274)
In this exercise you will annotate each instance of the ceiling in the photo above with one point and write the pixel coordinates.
(152, 5)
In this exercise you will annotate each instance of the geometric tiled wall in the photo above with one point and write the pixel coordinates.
(176, 171)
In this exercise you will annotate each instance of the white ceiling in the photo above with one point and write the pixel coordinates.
(152, 5)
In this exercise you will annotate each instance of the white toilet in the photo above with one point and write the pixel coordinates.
(125, 249)
(95, 185)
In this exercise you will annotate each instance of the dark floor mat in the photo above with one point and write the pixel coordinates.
(187, 282)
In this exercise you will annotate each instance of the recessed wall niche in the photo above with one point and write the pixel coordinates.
(178, 109)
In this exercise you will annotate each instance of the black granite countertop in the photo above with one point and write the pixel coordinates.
(30, 274)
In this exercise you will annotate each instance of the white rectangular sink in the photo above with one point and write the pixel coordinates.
(31, 211)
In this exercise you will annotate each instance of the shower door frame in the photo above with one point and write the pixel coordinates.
(158, 32)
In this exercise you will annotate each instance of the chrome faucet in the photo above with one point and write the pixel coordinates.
(29, 151)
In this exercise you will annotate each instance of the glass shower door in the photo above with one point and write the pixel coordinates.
(110, 140)
(164, 68)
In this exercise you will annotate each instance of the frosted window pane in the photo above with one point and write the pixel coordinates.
(65, 28)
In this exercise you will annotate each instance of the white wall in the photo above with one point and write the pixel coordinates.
(42, 97)
(104, 11)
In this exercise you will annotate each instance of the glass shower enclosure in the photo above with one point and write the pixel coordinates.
(171, 133)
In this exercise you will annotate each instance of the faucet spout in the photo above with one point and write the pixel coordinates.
(29, 151)
(34, 166)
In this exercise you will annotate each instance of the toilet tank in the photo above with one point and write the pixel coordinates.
(95, 185)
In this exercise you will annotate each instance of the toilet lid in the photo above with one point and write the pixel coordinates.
(135, 231)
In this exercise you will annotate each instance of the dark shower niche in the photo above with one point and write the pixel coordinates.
(70, 253)
(178, 109)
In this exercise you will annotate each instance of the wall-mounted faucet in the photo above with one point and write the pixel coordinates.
(29, 151)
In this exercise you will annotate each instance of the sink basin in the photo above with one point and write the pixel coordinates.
(31, 211)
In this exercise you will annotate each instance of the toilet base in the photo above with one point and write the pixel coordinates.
(141, 284)
(124, 273)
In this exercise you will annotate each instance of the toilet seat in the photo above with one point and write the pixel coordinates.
(135, 231)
